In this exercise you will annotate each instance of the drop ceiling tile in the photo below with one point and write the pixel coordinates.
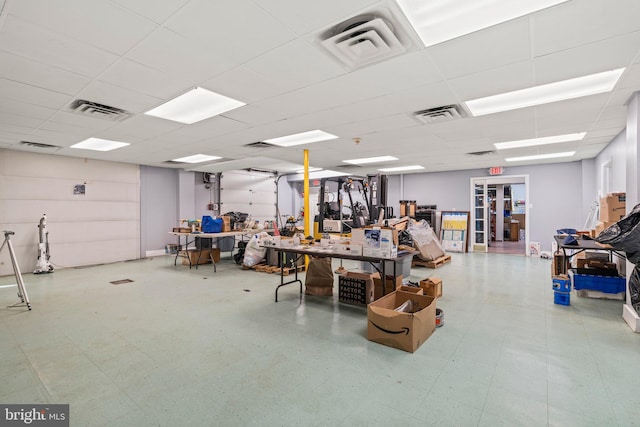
(254, 115)
(232, 29)
(494, 47)
(32, 95)
(62, 139)
(613, 112)
(118, 97)
(142, 126)
(102, 24)
(605, 133)
(593, 58)
(576, 23)
(23, 70)
(21, 121)
(68, 118)
(305, 17)
(172, 53)
(44, 46)
(375, 125)
(241, 83)
(156, 11)
(143, 79)
(294, 65)
(215, 126)
(421, 98)
(630, 79)
(10, 106)
(74, 132)
(492, 82)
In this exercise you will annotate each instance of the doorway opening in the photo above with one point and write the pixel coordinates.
(501, 223)
(507, 218)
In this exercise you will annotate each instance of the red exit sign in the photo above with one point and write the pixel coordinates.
(497, 170)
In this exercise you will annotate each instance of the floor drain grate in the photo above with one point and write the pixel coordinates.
(120, 282)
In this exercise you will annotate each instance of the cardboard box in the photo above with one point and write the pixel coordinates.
(601, 226)
(410, 289)
(613, 207)
(380, 242)
(348, 249)
(205, 256)
(226, 223)
(355, 290)
(361, 274)
(559, 264)
(390, 285)
(405, 331)
(432, 287)
(357, 236)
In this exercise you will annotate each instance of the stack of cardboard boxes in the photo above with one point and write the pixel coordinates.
(612, 209)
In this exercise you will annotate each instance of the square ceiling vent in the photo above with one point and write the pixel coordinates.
(439, 114)
(98, 111)
(363, 40)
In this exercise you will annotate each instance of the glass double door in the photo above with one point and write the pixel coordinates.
(480, 216)
(480, 213)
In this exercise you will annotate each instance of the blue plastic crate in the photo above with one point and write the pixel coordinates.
(606, 284)
(561, 284)
(562, 298)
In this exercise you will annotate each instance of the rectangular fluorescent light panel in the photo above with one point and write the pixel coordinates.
(195, 105)
(438, 21)
(301, 138)
(98, 144)
(196, 158)
(540, 141)
(544, 94)
(541, 156)
(370, 160)
(402, 168)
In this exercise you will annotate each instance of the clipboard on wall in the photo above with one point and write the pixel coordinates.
(454, 231)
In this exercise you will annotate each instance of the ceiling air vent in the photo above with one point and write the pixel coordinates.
(348, 166)
(439, 114)
(173, 162)
(482, 153)
(363, 40)
(259, 144)
(99, 111)
(39, 145)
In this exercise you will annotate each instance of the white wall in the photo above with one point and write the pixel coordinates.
(99, 227)
(158, 207)
(616, 153)
(555, 194)
(250, 192)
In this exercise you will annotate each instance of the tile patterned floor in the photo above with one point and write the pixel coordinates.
(180, 347)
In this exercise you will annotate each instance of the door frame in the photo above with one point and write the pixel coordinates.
(497, 180)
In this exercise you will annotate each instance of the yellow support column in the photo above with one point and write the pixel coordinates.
(307, 211)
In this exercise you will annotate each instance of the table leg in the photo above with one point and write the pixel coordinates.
(282, 267)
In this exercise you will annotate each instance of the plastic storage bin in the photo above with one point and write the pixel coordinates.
(561, 298)
(561, 284)
(606, 284)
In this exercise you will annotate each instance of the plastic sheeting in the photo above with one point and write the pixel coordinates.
(253, 253)
(624, 235)
(634, 289)
(425, 240)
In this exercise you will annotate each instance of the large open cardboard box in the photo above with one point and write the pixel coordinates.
(406, 331)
